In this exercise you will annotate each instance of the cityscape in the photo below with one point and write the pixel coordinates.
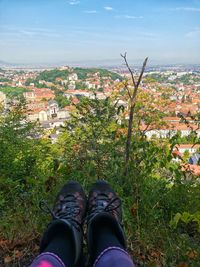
(100, 101)
(51, 95)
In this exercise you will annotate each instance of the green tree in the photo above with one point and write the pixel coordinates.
(13, 91)
(62, 101)
(90, 137)
(26, 164)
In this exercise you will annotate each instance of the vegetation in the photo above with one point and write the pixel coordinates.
(80, 86)
(186, 79)
(60, 98)
(29, 81)
(3, 79)
(155, 77)
(62, 101)
(13, 91)
(161, 208)
(84, 73)
(51, 75)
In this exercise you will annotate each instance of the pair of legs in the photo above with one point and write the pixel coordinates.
(62, 242)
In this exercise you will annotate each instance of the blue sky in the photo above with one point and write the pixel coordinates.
(53, 31)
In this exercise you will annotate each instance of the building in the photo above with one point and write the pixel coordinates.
(53, 108)
(73, 77)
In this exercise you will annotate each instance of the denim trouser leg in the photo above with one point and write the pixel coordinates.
(110, 257)
(114, 257)
(47, 259)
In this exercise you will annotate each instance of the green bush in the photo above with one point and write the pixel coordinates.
(92, 147)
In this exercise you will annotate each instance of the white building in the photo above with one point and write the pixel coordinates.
(182, 148)
(168, 133)
(43, 116)
(73, 77)
(64, 82)
(90, 85)
(52, 108)
(63, 114)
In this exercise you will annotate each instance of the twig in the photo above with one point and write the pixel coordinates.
(132, 97)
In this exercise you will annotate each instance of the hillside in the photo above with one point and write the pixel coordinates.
(51, 75)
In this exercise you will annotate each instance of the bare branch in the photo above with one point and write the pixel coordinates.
(132, 96)
(142, 71)
(126, 87)
(128, 67)
(139, 80)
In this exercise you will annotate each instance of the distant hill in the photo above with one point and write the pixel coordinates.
(83, 73)
(3, 63)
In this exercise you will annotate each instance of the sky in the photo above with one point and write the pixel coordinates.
(62, 31)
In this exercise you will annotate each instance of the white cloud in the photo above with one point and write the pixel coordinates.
(90, 11)
(73, 2)
(192, 9)
(128, 17)
(193, 34)
(108, 8)
(27, 32)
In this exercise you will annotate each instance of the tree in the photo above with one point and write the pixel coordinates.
(149, 111)
(28, 81)
(62, 101)
(90, 136)
(132, 93)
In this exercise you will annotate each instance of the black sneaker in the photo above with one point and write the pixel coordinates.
(104, 205)
(68, 212)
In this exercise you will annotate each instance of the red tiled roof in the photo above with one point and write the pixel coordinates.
(179, 146)
(177, 153)
(193, 169)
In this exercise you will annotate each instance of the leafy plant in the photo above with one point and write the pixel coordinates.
(186, 218)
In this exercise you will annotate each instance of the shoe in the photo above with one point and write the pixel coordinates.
(68, 213)
(103, 204)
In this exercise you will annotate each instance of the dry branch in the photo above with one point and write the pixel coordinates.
(132, 98)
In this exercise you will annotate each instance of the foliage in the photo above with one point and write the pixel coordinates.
(51, 75)
(3, 79)
(186, 218)
(91, 147)
(91, 132)
(60, 98)
(155, 77)
(80, 86)
(25, 166)
(150, 110)
(29, 81)
(186, 79)
(13, 91)
(84, 73)
(62, 101)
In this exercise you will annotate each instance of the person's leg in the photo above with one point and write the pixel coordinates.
(114, 257)
(105, 235)
(48, 260)
(61, 244)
